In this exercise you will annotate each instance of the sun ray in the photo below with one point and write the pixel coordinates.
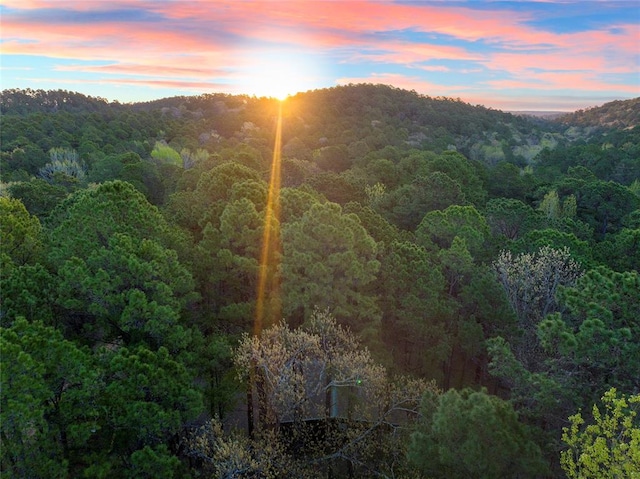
(268, 275)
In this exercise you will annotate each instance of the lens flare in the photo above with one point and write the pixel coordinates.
(268, 295)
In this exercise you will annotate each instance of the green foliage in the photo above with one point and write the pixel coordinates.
(154, 463)
(532, 241)
(505, 180)
(621, 252)
(38, 196)
(609, 447)
(472, 434)
(164, 153)
(24, 392)
(28, 291)
(414, 310)
(619, 113)
(380, 229)
(328, 261)
(462, 171)
(49, 401)
(407, 205)
(598, 335)
(294, 202)
(510, 218)
(536, 394)
(441, 227)
(88, 218)
(231, 255)
(603, 205)
(133, 290)
(149, 396)
(338, 188)
(20, 233)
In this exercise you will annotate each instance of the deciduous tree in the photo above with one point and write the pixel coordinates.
(608, 447)
(319, 378)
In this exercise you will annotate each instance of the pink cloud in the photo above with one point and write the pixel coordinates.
(196, 86)
(141, 69)
(407, 53)
(195, 41)
(435, 68)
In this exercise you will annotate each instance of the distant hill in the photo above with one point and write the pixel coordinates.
(27, 101)
(618, 114)
(549, 115)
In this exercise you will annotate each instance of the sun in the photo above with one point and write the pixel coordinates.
(278, 74)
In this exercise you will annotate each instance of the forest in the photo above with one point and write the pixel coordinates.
(359, 281)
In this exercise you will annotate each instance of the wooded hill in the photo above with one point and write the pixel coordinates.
(448, 286)
(621, 114)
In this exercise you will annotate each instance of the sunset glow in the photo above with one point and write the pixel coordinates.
(277, 74)
(507, 55)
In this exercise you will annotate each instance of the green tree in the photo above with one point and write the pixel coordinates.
(87, 219)
(609, 447)
(376, 225)
(464, 172)
(407, 205)
(20, 234)
(49, 401)
(621, 251)
(329, 261)
(589, 345)
(414, 310)
(131, 290)
(602, 204)
(38, 196)
(477, 308)
(596, 338)
(232, 256)
(508, 181)
(581, 251)
(441, 227)
(294, 202)
(193, 210)
(510, 218)
(339, 188)
(148, 398)
(472, 434)
(164, 153)
(28, 291)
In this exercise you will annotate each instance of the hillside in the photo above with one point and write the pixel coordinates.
(369, 114)
(619, 114)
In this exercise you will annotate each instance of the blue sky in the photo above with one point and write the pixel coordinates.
(506, 55)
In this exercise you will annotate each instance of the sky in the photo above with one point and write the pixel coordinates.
(508, 55)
